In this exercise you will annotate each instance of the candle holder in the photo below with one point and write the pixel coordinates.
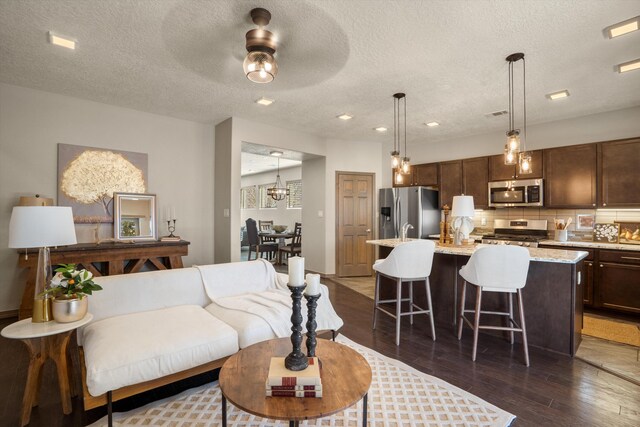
(312, 303)
(171, 228)
(296, 360)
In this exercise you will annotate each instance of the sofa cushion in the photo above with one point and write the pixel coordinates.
(251, 329)
(133, 348)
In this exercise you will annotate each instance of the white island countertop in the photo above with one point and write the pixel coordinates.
(537, 254)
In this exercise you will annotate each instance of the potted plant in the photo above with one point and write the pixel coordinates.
(69, 288)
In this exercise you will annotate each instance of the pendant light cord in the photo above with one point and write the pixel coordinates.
(511, 121)
(524, 102)
(395, 124)
(405, 125)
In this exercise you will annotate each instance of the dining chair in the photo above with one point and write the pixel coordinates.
(266, 227)
(502, 269)
(293, 248)
(256, 244)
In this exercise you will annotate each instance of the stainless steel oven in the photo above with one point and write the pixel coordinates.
(516, 193)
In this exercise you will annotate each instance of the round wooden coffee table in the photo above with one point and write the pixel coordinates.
(346, 377)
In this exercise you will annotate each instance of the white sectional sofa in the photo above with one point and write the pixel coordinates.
(153, 328)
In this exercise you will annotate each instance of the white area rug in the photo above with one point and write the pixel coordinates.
(399, 396)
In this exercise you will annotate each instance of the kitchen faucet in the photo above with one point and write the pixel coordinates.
(405, 227)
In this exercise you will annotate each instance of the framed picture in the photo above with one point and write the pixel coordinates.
(629, 232)
(585, 221)
(606, 233)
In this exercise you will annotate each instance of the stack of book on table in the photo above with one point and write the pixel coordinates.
(285, 383)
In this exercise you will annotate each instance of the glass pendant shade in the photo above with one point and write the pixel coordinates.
(260, 67)
(524, 162)
(510, 158)
(398, 177)
(405, 166)
(395, 159)
(513, 141)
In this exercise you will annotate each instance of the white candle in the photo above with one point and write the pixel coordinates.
(313, 284)
(296, 271)
(173, 212)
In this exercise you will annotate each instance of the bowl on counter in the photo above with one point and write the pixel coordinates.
(279, 228)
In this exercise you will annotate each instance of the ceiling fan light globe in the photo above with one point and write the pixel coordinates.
(260, 67)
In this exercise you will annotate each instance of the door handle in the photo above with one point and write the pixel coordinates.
(368, 230)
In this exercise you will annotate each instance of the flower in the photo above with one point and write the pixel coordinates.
(71, 282)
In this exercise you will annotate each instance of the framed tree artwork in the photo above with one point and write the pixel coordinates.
(88, 177)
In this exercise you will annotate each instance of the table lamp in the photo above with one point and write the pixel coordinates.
(41, 227)
(462, 213)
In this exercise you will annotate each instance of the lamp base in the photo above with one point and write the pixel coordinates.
(41, 310)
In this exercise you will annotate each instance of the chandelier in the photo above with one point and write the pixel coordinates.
(260, 66)
(515, 149)
(278, 192)
(401, 165)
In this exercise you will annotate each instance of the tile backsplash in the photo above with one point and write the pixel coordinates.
(602, 216)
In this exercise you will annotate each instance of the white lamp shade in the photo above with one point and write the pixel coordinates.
(462, 206)
(41, 226)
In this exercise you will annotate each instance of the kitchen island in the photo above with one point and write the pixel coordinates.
(552, 296)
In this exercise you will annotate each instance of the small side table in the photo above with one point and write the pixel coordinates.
(44, 341)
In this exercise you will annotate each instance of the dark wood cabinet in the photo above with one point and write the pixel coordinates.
(588, 272)
(475, 179)
(450, 180)
(570, 176)
(498, 171)
(619, 280)
(426, 174)
(619, 169)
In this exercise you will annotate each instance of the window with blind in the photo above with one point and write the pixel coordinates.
(248, 197)
(294, 201)
(266, 201)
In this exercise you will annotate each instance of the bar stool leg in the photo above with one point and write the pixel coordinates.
(524, 329)
(398, 310)
(510, 322)
(476, 328)
(376, 298)
(462, 303)
(411, 302)
(428, 289)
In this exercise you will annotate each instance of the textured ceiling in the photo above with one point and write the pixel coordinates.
(183, 58)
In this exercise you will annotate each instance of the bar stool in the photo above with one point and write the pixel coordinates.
(496, 269)
(407, 262)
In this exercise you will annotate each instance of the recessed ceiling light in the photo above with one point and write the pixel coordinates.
(345, 117)
(264, 101)
(380, 129)
(628, 66)
(432, 124)
(276, 153)
(61, 41)
(558, 95)
(622, 28)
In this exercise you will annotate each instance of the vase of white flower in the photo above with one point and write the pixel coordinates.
(70, 288)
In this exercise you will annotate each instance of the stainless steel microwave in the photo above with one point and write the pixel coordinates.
(516, 193)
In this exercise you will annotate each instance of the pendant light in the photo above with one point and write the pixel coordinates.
(278, 192)
(515, 149)
(259, 65)
(402, 164)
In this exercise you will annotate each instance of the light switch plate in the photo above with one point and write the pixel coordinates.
(226, 213)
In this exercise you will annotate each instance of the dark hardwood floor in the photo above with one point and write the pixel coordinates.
(554, 391)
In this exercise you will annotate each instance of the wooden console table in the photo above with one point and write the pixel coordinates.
(104, 259)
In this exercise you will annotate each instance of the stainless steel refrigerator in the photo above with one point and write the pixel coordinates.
(417, 206)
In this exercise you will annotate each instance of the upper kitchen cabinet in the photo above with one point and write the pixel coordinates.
(570, 176)
(450, 180)
(619, 168)
(498, 171)
(425, 174)
(475, 177)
